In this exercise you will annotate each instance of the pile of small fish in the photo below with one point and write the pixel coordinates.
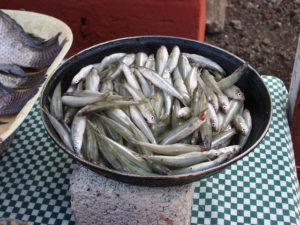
(24, 58)
(164, 114)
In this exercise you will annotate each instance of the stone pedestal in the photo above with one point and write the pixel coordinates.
(99, 200)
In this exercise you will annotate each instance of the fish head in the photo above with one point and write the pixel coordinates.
(215, 124)
(244, 129)
(225, 106)
(77, 146)
(239, 95)
(151, 118)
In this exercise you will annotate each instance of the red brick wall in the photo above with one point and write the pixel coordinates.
(95, 21)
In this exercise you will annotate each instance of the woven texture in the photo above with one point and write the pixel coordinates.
(262, 188)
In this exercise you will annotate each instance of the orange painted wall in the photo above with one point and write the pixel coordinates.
(96, 21)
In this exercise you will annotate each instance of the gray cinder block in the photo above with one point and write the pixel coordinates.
(98, 200)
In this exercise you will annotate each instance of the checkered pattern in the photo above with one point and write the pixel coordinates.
(262, 188)
(34, 177)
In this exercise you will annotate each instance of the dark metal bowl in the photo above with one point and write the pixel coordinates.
(258, 99)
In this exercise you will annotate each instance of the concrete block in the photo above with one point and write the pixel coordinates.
(99, 200)
(215, 15)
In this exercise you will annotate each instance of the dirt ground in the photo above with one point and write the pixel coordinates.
(262, 32)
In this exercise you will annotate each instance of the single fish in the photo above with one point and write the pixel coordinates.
(28, 81)
(175, 122)
(74, 101)
(128, 60)
(157, 102)
(158, 81)
(17, 47)
(56, 105)
(233, 78)
(210, 95)
(83, 72)
(247, 117)
(104, 105)
(78, 128)
(92, 80)
(204, 62)
(60, 129)
(161, 59)
(222, 137)
(168, 99)
(13, 102)
(240, 124)
(105, 148)
(184, 66)
(185, 159)
(234, 108)
(91, 145)
(191, 80)
(130, 77)
(146, 108)
(182, 131)
(115, 57)
(195, 103)
(213, 117)
(173, 59)
(170, 149)
(234, 92)
(203, 166)
(144, 84)
(179, 85)
(150, 62)
(139, 121)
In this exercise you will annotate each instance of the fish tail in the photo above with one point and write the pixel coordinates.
(52, 41)
(46, 56)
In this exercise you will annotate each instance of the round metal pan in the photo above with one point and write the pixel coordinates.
(258, 99)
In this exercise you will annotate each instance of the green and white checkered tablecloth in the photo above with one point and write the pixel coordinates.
(262, 188)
